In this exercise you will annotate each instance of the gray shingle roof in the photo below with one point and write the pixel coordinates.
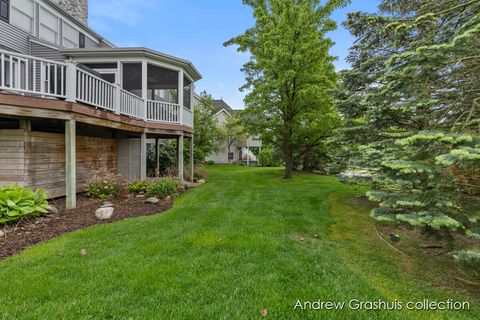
(219, 104)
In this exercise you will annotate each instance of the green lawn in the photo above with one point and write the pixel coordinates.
(245, 241)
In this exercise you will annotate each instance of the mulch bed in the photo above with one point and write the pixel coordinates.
(28, 232)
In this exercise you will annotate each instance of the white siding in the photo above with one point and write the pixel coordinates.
(221, 156)
(128, 163)
(11, 38)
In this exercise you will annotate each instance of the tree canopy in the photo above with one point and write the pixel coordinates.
(411, 106)
(208, 135)
(290, 74)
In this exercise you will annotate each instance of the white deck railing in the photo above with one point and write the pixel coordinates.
(163, 111)
(95, 91)
(131, 104)
(27, 74)
(64, 80)
(187, 117)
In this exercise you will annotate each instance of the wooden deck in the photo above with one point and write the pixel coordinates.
(32, 107)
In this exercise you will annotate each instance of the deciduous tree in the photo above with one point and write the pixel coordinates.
(208, 135)
(290, 72)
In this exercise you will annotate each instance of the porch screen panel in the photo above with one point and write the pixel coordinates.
(187, 85)
(132, 78)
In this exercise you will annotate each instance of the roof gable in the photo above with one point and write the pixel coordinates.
(219, 104)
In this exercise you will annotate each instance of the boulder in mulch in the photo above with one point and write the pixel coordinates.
(152, 200)
(2, 234)
(104, 213)
(201, 181)
(52, 225)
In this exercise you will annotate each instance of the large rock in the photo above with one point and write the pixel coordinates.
(152, 200)
(201, 181)
(2, 234)
(104, 213)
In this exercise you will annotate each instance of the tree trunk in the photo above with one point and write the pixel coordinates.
(287, 150)
(228, 152)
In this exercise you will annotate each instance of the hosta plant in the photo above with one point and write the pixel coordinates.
(163, 188)
(139, 186)
(17, 202)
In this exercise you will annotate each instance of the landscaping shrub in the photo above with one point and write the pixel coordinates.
(163, 188)
(199, 172)
(469, 258)
(210, 162)
(17, 202)
(102, 184)
(139, 186)
(267, 157)
(167, 155)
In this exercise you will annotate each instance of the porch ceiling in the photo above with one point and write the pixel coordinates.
(119, 53)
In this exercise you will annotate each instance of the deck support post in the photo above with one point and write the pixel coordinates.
(180, 96)
(145, 88)
(157, 158)
(26, 124)
(118, 99)
(180, 157)
(192, 160)
(143, 156)
(70, 164)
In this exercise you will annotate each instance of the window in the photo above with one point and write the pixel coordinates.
(69, 36)
(48, 24)
(81, 40)
(21, 14)
(4, 10)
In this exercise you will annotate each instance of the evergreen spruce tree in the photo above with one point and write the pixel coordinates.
(419, 110)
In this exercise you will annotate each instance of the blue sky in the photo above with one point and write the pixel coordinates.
(195, 30)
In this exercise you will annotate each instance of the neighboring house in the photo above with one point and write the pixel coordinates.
(71, 102)
(243, 149)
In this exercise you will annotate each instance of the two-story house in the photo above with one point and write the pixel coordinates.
(236, 149)
(71, 102)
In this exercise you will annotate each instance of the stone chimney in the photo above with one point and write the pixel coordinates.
(77, 9)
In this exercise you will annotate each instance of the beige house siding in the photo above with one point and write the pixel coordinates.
(221, 157)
